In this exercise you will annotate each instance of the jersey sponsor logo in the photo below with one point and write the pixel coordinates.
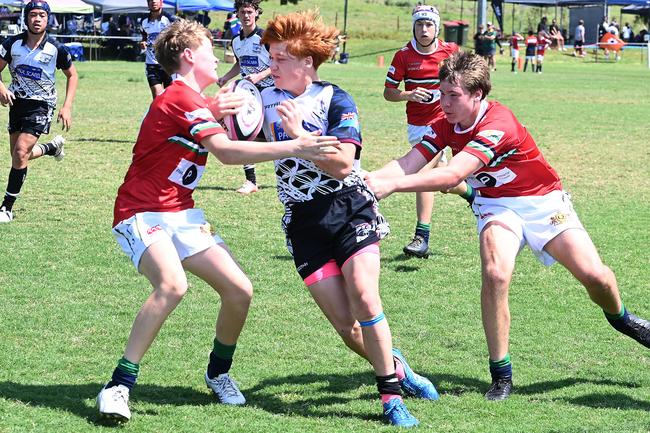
(493, 135)
(249, 61)
(278, 132)
(154, 229)
(187, 174)
(151, 37)
(559, 218)
(201, 113)
(31, 72)
(391, 69)
(493, 179)
(257, 48)
(434, 97)
(44, 58)
(414, 66)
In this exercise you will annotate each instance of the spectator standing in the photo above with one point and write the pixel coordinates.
(579, 39)
(479, 41)
(626, 33)
(490, 38)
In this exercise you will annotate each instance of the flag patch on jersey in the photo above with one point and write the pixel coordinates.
(349, 120)
(493, 135)
(201, 113)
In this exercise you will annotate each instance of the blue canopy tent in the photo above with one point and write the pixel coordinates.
(201, 5)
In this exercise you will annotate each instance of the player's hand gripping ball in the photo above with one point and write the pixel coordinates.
(247, 123)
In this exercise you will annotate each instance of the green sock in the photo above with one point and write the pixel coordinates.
(505, 361)
(616, 316)
(468, 194)
(223, 351)
(128, 367)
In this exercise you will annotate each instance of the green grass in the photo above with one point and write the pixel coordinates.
(68, 296)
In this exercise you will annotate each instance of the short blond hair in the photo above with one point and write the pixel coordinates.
(468, 70)
(305, 35)
(173, 40)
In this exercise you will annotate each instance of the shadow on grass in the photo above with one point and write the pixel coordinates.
(71, 398)
(610, 401)
(307, 395)
(313, 395)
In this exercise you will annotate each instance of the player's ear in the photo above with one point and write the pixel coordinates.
(309, 61)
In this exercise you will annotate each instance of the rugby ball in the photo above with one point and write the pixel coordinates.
(248, 122)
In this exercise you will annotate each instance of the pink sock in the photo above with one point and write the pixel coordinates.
(399, 370)
(385, 398)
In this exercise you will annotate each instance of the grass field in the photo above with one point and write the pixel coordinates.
(68, 296)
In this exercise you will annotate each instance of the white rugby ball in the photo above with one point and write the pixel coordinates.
(248, 122)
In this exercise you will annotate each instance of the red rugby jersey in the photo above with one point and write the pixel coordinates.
(417, 69)
(513, 164)
(168, 158)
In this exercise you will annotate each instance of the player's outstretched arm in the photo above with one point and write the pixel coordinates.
(311, 146)
(65, 113)
(437, 179)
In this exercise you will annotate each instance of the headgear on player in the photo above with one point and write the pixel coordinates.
(36, 4)
(428, 13)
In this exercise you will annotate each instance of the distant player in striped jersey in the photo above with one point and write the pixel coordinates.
(531, 46)
(253, 65)
(151, 27)
(417, 65)
(155, 221)
(521, 203)
(33, 58)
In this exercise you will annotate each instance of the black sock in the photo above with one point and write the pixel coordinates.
(14, 185)
(218, 366)
(48, 148)
(388, 384)
(249, 171)
(512, 67)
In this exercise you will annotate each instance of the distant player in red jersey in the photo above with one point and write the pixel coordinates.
(542, 44)
(514, 50)
(521, 202)
(531, 46)
(417, 64)
(156, 223)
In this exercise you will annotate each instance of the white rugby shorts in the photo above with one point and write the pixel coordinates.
(188, 230)
(535, 220)
(514, 53)
(415, 134)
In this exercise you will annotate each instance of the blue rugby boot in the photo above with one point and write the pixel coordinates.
(414, 384)
(396, 413)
